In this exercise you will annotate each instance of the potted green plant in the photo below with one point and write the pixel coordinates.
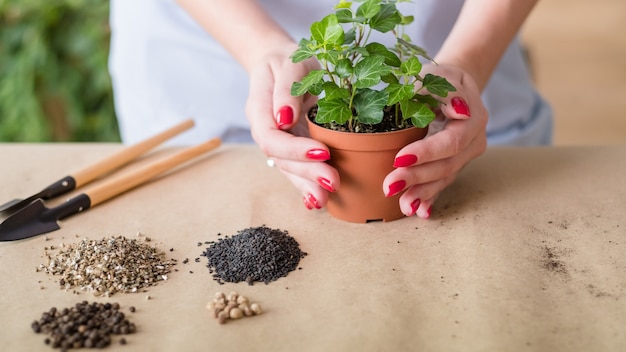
(373, 100)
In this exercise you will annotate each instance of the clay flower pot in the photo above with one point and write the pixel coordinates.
(363, 160)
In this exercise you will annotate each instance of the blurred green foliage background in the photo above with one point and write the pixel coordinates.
(54, 81)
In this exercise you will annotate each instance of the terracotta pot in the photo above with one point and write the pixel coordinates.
(363, 160)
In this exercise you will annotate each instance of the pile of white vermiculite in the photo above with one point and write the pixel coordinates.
(109, 265)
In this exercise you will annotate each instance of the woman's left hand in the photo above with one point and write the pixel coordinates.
(426, 167)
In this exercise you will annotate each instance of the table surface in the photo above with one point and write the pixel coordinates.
(524, 252)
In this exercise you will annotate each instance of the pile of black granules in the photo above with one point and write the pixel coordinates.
(85, 325)
(253, 254)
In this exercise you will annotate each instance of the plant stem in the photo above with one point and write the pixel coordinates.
(397, 113)
(367, 38)
(352, 95)
(327, 69)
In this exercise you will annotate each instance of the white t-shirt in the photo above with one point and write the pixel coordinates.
(166, 68)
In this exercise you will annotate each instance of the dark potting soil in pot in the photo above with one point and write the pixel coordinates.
(388, 123)
(254, 254)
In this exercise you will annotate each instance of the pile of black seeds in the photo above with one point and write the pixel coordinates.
(85, 325)
(253, 254)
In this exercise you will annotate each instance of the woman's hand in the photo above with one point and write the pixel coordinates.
(423, 168)
(458, 135)
(467, 59)
(278, 125)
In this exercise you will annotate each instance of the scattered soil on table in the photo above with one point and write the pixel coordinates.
(596, 292)
(253, 254)
(552, 261)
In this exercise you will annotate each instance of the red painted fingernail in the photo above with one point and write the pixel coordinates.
(318, 154)
(284, 117)
(460, 106)
(430, 210)
(416, 203)
(312, 201)
(306, 203)
(326, 184)
(396, 188)
(405, 160)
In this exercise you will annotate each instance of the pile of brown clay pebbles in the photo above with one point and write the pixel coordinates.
(253, 254)
(104, 267)
(88, 325)
(232, 306)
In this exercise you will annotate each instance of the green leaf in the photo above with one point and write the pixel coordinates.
(437, 85)
(343, 4)
(344, 16)
(334, 92)
(391, 58)
(406, 20)
(316, 89)
(328, 31)
(411, 67)
(423, 117)
(428, 100)
(309, 81)
(399, 92)
(303, 52)
(409, 107)
(332, 111)
(359, 50)
(389, 78)
(369, 70)
(368, 9)
(359, 19)
(419, 113)
(369, 105)
(318, 30)
(344, 68)
(330, 56)
(414, 49)
(350, 36)
(386, 19)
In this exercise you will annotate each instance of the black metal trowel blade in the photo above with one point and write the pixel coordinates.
(35, 219)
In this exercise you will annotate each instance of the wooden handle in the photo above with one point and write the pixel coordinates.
(128, 154)
(124, 182)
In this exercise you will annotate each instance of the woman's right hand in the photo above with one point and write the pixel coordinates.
(263, 48)
(278, 124)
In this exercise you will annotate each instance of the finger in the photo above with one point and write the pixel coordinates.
(323, 174)
(404, 177)
(453, 139)
(423, 196)
(457, 109)
(425, 209)
(289, 108)
(272, 141)
(465, 102)
(264, 127)
(282, 145)
(313, 195)
(259, 106)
